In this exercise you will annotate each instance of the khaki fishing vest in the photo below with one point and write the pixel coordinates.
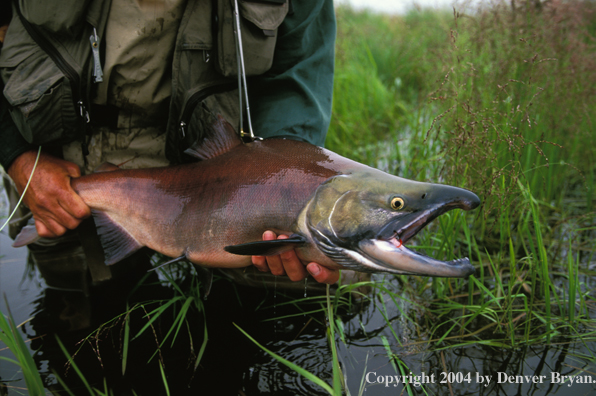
(47, 65)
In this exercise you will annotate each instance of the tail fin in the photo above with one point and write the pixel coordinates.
(27, 235)
(115, 240)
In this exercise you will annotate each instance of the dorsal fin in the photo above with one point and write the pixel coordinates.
(220, 137)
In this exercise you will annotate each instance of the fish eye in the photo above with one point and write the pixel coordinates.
(397, 203)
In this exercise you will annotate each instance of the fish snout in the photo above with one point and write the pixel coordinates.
(449, 197)
(468, 200)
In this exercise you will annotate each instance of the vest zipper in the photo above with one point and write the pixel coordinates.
(97, 72)
(66, 69)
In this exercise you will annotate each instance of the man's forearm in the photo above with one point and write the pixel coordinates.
(293, 99)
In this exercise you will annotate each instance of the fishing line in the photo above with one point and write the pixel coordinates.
(24, 191)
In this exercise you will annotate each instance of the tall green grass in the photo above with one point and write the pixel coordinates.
(12, 338)
(504, 106)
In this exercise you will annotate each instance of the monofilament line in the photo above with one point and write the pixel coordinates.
(24, 191)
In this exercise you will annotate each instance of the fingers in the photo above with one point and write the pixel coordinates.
(52, 216)
(292, 265)
(322, 274)
(73, 205)
(289, 264)
(44, 231)
(274, 263)
(261, 261)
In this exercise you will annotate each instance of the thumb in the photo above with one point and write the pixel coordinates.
(72, 169)
(322, 274)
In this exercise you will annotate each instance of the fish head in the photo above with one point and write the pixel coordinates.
(362, 221)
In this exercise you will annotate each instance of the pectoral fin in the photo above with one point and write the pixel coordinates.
(267, 248)
(206, 277)
(116, 241)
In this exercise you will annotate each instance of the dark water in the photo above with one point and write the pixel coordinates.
(232, 365)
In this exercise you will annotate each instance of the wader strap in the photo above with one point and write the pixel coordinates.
(99, 271)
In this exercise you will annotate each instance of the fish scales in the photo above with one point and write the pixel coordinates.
(335, 211)
(200, 208)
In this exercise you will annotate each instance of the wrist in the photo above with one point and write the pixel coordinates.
(21, 167)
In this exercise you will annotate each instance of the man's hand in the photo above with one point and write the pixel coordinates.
(289, 263)
(54, 204)
(3, 30)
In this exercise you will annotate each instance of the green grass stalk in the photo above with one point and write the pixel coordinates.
(337, 374)
(164, 379)
(306, 374)
(71, 363)
(10, 336)
(573, 279)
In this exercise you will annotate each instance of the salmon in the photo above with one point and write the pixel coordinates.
(335, 211)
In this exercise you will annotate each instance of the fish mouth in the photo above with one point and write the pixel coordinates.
(393, 257)
(389, 254)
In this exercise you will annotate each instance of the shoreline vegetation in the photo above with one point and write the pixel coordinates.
(500, 100)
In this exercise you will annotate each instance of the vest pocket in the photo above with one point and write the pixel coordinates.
(258, 25)
(41, 101)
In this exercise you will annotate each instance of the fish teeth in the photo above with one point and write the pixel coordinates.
(459, 260)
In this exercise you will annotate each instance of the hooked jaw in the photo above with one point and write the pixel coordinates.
(392, 256)
(387, 250)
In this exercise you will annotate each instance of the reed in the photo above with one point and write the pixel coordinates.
(13, 340)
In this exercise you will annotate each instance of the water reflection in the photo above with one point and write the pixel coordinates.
(381, 336)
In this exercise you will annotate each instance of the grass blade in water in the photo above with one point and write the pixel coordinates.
(306, 374)
(9, 335)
